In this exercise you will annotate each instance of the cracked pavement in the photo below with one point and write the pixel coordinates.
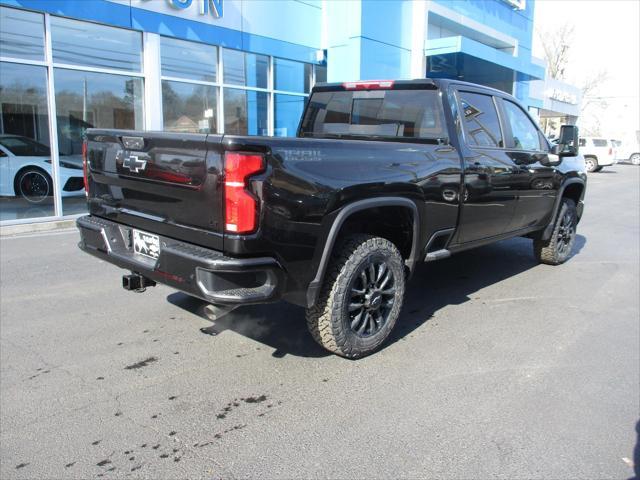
(498, 368)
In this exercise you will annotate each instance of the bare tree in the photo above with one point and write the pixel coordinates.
(557, 44)
(590, 87)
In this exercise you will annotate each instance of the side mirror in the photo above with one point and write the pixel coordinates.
(568, 141)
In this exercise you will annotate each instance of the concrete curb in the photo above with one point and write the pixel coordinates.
(11, 230)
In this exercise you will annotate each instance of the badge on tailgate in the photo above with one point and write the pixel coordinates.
(146, 244)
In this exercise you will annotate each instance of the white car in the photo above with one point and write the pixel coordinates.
(628, 152)
(597, 152)
(25, 170)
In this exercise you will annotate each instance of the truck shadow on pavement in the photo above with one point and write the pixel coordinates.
(452, 281)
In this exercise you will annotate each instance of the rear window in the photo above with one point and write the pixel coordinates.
(415, 114)
(599, 142)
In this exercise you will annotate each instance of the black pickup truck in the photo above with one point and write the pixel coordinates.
(382, 175)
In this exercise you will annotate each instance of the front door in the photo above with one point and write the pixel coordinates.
(538, 183)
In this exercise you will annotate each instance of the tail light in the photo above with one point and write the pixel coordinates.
(610, 151)
(240, 206)
(85, 168)
(369, 85)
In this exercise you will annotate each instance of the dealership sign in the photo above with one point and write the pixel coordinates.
(205, 7)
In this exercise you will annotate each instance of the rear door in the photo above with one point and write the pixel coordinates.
(489, 173)
(166, 183)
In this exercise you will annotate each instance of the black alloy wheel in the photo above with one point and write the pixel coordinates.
(372, 297)
(34, 185)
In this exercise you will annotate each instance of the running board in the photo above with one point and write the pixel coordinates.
(437, 255)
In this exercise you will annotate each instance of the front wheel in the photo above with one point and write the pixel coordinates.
(33, 184)
(361, 297)
(635, 159)
(557, 249)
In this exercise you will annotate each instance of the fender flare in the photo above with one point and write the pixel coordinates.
(314, 286)
(546, 234)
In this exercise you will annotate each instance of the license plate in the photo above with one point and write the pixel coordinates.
(146, 244)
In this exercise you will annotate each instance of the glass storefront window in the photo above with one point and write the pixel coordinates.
(188, 60)
(189, 107)
(321, 74)
(98, 46)
(248, 69)
(292, 76)
(26, 176)
(21, 34)
(245, 112)
(90, 100)
(288, 110)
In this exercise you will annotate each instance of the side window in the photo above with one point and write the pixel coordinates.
(480, 120)
(525, 133)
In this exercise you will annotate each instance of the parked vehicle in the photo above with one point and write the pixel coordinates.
(378, 179)
(598, 153)
(628, 152)
(25, 170)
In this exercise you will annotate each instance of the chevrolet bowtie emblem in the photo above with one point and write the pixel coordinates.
(134, 163)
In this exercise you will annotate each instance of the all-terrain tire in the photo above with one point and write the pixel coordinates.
(558, 248)
(331, 320)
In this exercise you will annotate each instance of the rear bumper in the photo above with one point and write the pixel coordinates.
(197, 271)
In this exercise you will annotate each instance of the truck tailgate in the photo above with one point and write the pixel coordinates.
(165, 183)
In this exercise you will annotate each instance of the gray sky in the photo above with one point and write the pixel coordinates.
(606, 36)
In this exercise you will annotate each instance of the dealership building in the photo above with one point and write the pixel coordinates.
(223, 66)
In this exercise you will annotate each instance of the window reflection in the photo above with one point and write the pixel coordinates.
(481, 124)
(288, 110)
(248, 69)
(188, 60)
(525, 134)
(91, 100)
(26, 176)
(245, 112)
(321, 74)
(188, 107)
(292, 76)
(92, 45)
(21, 34)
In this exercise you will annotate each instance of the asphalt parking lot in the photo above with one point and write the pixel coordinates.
(499, 368)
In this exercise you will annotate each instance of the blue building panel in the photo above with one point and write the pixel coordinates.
(363, 39)
(305, 24)
(101, 11)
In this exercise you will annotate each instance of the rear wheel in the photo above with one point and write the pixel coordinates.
(591, 164)
(557, 249)
(635, 158)
(361, 297)
(33, 184)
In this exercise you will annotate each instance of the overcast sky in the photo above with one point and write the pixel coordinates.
(606, 36)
